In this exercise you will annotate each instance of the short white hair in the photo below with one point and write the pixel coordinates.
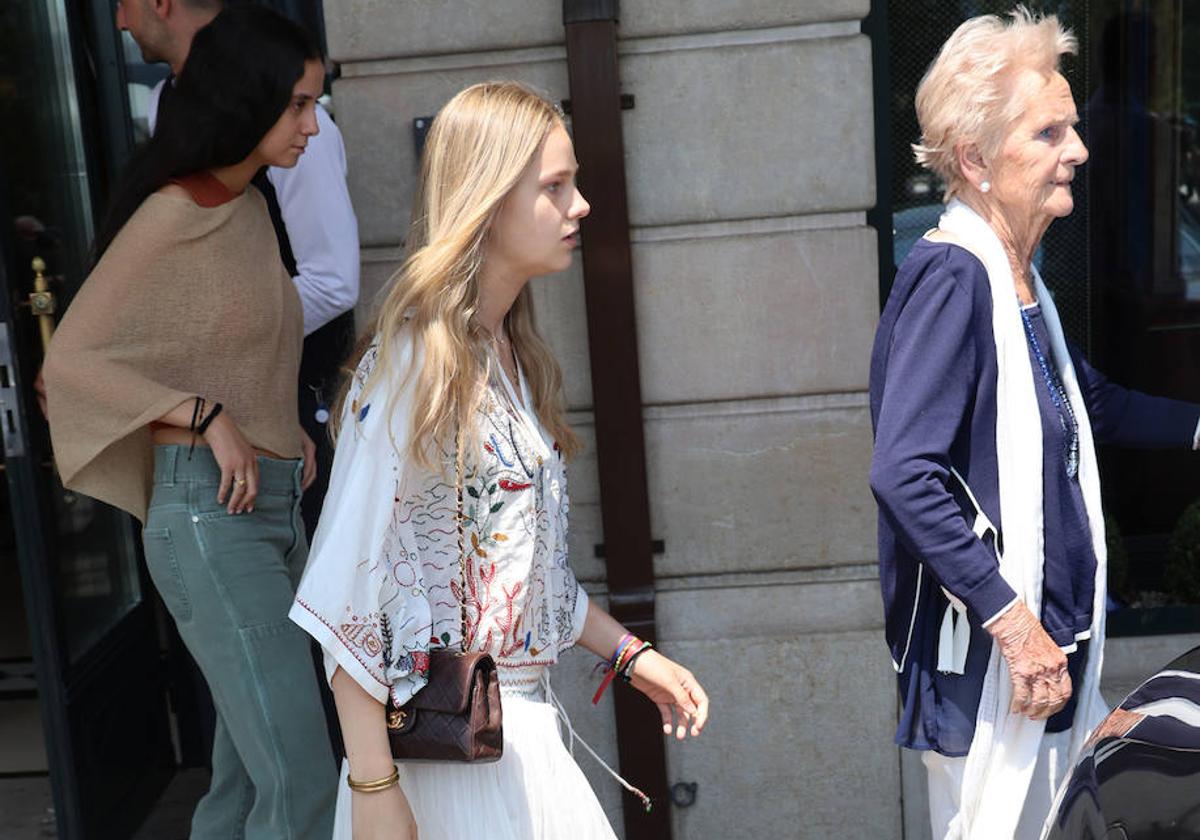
(967, 95)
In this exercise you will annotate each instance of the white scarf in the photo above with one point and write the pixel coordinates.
(1005, 747)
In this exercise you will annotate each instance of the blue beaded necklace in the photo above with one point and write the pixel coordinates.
(1058, 395)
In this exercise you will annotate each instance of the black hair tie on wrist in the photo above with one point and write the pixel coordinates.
(197, 410)
(212, 415)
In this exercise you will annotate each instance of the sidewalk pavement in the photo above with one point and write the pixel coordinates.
(27, 809)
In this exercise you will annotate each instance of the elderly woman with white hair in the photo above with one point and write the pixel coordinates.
(991, 535)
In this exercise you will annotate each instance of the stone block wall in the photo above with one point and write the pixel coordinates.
(750, 166)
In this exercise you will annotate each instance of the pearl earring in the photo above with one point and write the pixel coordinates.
(986, 186)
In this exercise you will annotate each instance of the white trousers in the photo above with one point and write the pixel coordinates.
(945, 787)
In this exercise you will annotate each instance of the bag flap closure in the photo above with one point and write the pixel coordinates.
(451, 674)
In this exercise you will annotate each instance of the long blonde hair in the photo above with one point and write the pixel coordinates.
(477, 148)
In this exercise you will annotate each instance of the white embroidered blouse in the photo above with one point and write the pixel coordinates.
(382, 582)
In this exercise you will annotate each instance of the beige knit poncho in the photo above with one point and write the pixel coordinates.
(186, 301)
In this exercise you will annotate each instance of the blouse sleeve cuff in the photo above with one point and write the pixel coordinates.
(579, 619)
(336, 654)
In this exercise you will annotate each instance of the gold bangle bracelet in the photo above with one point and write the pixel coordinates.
(376, 785)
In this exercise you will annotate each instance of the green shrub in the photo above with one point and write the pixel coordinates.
(1118, 560)
(1181, 572)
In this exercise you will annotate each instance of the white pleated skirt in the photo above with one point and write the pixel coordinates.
(535, 791)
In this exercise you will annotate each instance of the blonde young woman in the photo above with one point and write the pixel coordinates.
(455, 366)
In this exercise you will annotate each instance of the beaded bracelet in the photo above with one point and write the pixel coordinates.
(626, 641)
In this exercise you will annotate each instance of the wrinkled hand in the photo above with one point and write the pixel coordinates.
(1040, 682)
(674, 690)
(309, 475)
(238, 462)
(382, 815)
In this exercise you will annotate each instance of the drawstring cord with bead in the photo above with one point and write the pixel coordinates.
(552, 698)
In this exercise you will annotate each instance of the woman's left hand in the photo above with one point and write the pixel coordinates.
(674, 690)
(310, 460)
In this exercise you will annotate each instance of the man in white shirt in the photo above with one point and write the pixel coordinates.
(310, 205)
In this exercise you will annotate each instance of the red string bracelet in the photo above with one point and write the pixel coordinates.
(629, 646)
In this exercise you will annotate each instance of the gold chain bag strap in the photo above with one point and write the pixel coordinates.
(456, 716)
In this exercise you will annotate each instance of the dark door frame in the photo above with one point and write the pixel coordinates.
(24, 491)
(101, 73)
(76, 729)
(875, 27)
(61, 685)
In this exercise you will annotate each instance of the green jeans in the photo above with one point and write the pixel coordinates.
(228, 581)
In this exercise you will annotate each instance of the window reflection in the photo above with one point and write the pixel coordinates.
(141, 79)
(47, 212)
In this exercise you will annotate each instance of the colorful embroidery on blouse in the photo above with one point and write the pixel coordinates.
(520, 594)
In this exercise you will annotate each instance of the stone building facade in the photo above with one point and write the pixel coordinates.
(750, 159)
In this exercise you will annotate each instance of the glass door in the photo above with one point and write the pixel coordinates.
(1144, 229)
(92, 636)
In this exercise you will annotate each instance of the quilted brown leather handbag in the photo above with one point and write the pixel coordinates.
(456, 716)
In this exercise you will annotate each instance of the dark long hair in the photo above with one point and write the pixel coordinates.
(235, 84)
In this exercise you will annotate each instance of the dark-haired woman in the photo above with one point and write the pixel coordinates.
(171, 388)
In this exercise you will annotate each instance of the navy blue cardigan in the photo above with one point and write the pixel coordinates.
(933, 405)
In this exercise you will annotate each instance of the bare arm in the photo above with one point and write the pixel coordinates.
(234, 455)
(672, 687)
(601, 632)
(382, 814)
